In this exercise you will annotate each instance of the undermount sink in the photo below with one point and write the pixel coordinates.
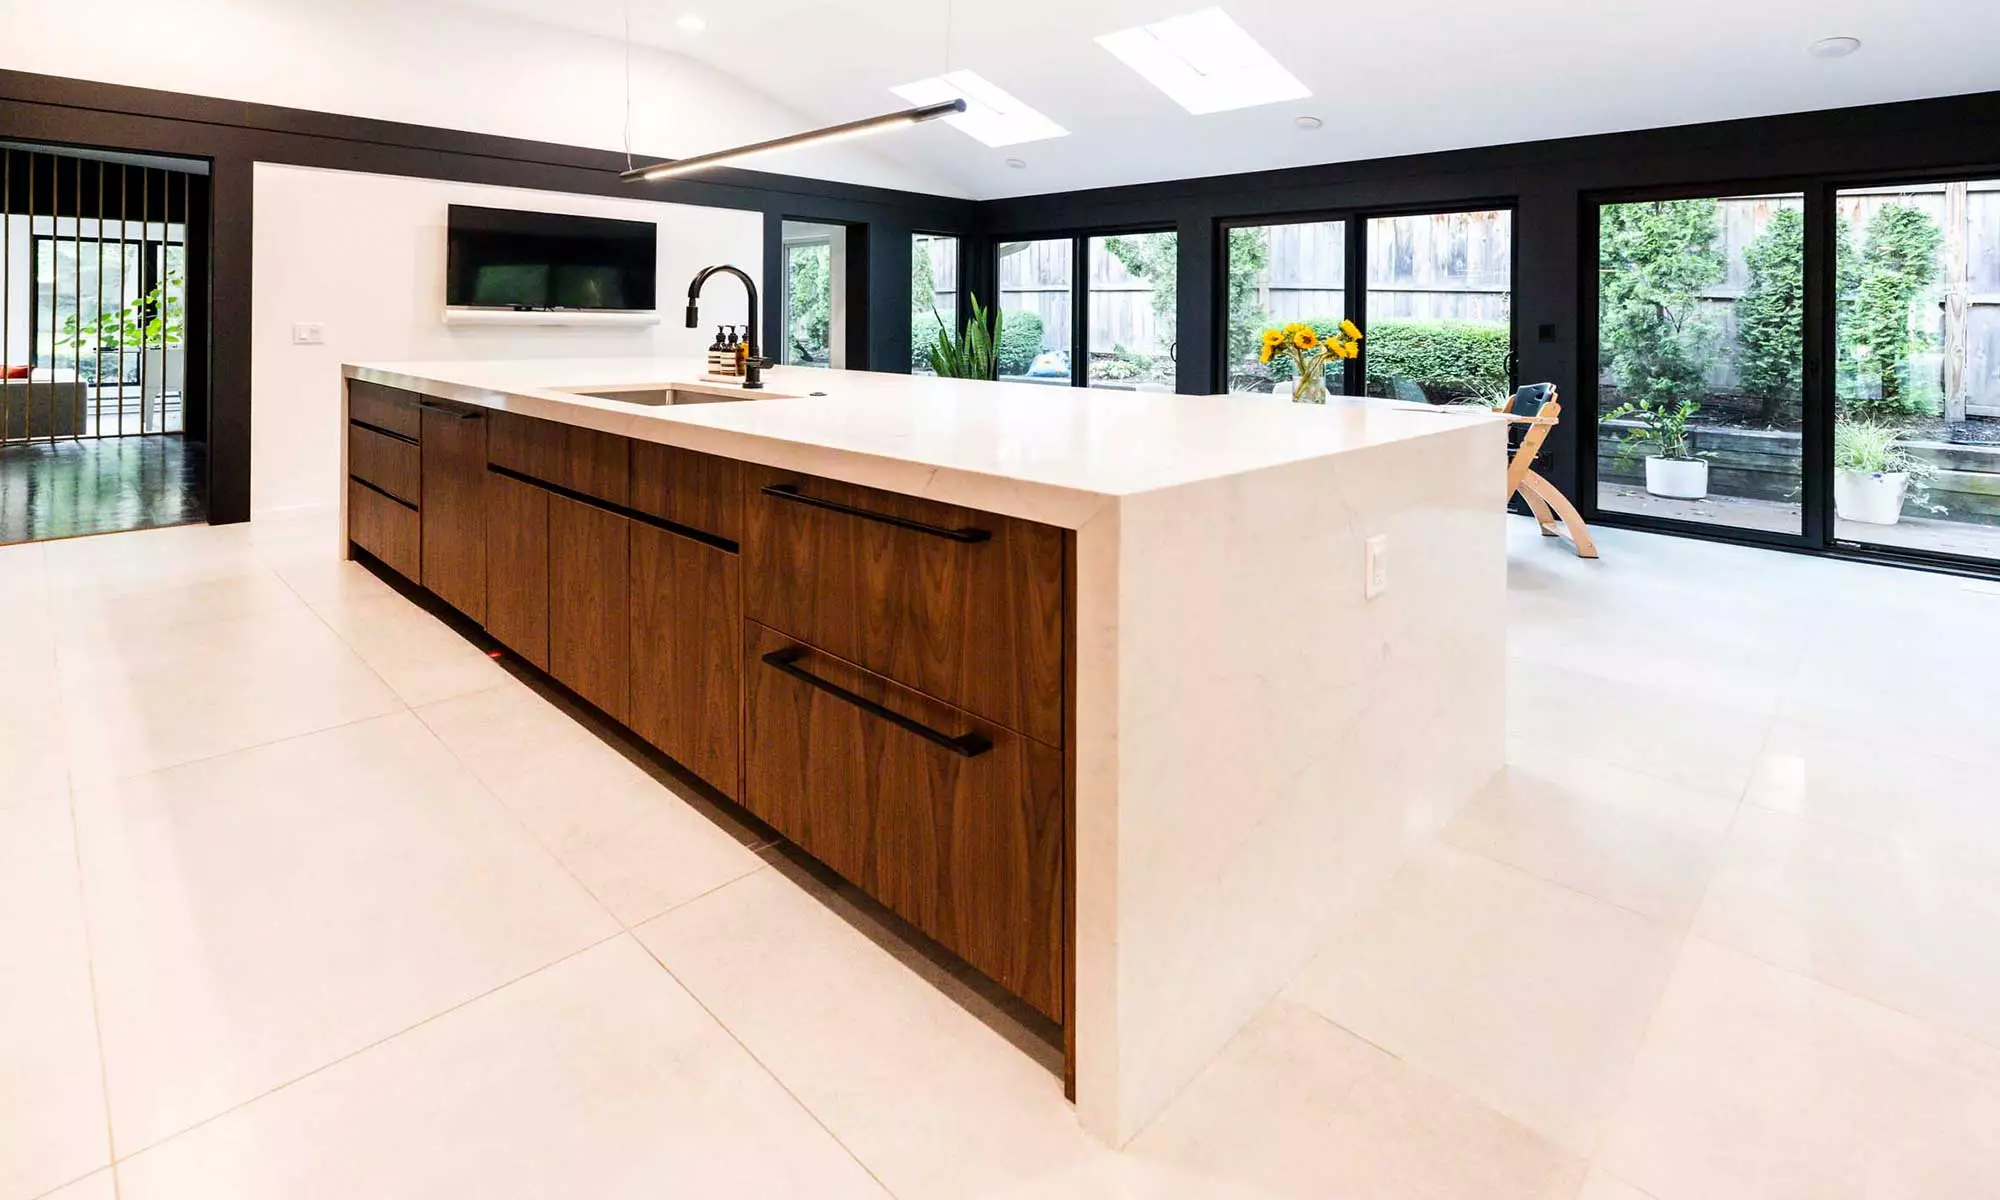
(661, 395)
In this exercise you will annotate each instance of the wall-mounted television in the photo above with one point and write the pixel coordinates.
(503, 260)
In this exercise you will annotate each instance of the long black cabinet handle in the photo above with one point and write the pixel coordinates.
(965, 745)
(790, 491)
(463, 414)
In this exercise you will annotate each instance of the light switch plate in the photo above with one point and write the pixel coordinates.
(1377, 566)
(308, 333)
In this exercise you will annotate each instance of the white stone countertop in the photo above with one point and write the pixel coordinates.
(1045, 453)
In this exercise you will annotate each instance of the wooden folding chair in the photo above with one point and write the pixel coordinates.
(1535, 410)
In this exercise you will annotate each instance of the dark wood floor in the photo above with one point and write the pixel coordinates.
(101, 485)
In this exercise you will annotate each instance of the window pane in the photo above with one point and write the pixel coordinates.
(1132, 312)
(1035, 306)
(1438, 320)
(1917, 354)
(1700, 360)
(933, 295)
(1279, 274)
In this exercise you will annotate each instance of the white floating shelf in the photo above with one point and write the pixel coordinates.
(509, 316)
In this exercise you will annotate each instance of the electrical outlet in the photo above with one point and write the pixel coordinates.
(308, 333)
(1378, 565)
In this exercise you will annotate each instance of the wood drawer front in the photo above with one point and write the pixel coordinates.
(454, 508)
(590, 615)
(586, 461)
(385, 528)
(687, 653)
(517, 567)
(978, 624)
(385, 408)
(703, 492)
(394, 465)
(967, 849)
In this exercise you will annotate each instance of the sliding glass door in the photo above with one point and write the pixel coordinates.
(1701, 359)
(1917, 368)
(1131, 305)
(1278, 274)
(1439, 307)
(1035, 308)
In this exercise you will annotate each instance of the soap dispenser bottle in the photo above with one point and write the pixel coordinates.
(725, 357)
(716, 350)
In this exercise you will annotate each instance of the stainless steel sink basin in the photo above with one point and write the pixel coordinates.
(661, 395)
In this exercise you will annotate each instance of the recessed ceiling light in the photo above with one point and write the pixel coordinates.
(692, 22)
(1019, 164)
(1205, 62)
(991, 115)
(1308, 123)
(1834, 47)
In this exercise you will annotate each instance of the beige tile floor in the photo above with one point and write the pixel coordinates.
(303, 896)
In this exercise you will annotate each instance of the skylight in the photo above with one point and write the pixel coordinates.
(1205, 62)
(990, 115)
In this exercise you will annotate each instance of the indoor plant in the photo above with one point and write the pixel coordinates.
(1676, 471)
(973, 354)
(1872, 472)
(1310, 353)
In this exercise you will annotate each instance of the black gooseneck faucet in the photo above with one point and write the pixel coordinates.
(753, 368)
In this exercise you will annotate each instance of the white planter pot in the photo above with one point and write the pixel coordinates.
(1677, 478)
(1870, 497)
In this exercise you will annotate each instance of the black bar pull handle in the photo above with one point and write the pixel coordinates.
(463, 414)
(790, 491)
(965, 745)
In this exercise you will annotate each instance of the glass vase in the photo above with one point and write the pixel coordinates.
(1310, 386)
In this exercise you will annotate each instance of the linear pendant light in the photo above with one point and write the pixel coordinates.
(832, 133)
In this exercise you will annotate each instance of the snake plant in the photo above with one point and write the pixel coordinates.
(974, 354)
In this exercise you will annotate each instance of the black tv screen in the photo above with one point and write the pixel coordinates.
(498, 258)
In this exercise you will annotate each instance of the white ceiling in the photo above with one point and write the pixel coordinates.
(1391, 78)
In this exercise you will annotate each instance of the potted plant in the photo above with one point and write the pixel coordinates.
(1310, 352)
(1676, 471)
(1872, 472)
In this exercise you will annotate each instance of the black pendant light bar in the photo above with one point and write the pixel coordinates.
(867, 125)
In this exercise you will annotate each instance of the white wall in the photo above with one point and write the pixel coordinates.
(430, 65)
(363, 256)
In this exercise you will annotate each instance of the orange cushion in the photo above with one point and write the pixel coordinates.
(14, 373)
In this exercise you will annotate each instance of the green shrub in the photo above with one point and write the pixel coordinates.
(1770, 315)
(924, 330)
(1020, 341)
(1655, 258)
(1898, 266)
(1448, 359)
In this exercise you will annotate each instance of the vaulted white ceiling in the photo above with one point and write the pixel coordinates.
(1390, 78)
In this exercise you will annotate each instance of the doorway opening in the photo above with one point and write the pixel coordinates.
(103, 342)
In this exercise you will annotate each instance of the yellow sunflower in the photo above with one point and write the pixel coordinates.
(1305, 339)
(1351, 330)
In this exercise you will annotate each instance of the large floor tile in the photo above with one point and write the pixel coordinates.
(140, 702)
(936, 1102)
(417, 655)
(1639, 842)
(1525, 995)
(1559, 709)
(1295, 1107)
(1603, 1185)
(598, 1077)
(99, 1186)
(1760, 1084)
(52, 1127)
(640, 843)
(1913, 928)
(260, 914)
(1873, 781)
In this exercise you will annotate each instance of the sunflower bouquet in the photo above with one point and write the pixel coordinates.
(1310, 351)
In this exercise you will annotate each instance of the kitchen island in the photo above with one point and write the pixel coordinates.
(1088, 686)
